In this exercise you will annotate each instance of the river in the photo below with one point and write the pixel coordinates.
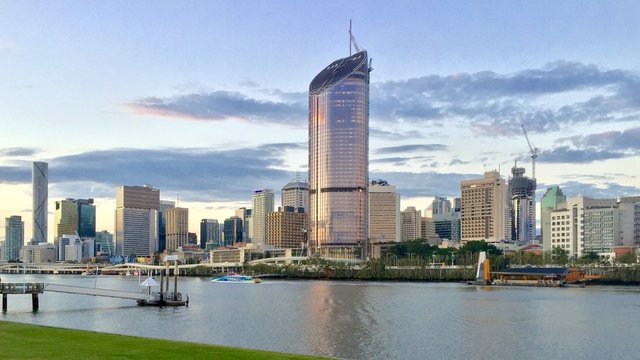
(360, 320)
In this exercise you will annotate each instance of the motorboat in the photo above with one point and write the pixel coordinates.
(239, 279)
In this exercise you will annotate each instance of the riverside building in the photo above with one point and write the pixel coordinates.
(137, 220)
(483, 208)
(339, 157)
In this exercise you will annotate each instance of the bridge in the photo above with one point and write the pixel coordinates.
(292, 259)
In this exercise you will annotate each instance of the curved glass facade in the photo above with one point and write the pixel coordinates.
(339, 153)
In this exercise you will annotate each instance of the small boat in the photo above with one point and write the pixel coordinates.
(238, 279)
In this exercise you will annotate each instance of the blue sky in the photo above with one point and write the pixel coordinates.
(207, 99)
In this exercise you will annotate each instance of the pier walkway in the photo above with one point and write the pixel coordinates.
(78, 290)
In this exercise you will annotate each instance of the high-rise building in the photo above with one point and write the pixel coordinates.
(522, 207)
(286, 228)
(630, 220)
(551, 200)
(13, 238)
(162, 223)
(339, 156)
(177, 228)
(40, 183)
(104, 243)
(247, 223)
(428, 231)
(137, 220)
(483, 208)
(447, 225)
(411, 220)
(440, 205)
(296, 195)
(75, 216)
(232, 231)
(583, 225)
(263, 205)
(384, 213)
(209, 233)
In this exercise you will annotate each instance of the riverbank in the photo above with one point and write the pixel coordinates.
(23, 341)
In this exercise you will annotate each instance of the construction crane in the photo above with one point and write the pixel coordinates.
(534, 153)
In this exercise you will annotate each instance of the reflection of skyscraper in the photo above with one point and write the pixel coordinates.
(40, 183)
(339, 155)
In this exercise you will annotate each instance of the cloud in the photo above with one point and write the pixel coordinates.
(598, 191)
(393, 135)
(558, 94)
(565, 154)
(411, 148)
(18, 151)
(222, 105)
(197, 174)
(424, 184)
(627, 140)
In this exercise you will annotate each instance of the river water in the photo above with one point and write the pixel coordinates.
(360, 320)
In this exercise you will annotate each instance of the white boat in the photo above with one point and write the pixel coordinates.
(238, 279)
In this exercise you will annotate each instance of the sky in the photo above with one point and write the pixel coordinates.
(207, 100)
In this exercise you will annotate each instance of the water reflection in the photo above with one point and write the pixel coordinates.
(361, 320)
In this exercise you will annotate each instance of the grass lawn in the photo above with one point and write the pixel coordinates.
(22, 341)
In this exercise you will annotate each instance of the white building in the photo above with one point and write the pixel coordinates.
(384, 213)
(263, 204)
(296, 195)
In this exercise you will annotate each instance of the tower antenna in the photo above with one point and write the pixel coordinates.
(352, 40)
(350, 37)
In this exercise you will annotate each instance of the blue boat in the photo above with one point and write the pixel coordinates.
(237, 279)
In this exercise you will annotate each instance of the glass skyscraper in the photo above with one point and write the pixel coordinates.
(40, 183)
(339, 156)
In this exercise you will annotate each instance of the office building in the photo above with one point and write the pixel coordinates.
(411, 221)
(584, 225)
(286, 228)
(296, 195)
(232, 231)
(162, 223)
(339, 156)
(74, 216)
(447, 225)
(104, 243)
(247, 224)
(209, 233)
(263, 205)
(428, 231)
(40, 184)
(177, 228)
(38, 254)
(440, 205)
(551, 200)
(483, 212)
(137, 220)
(630, 220)
(13, 238)
(384, 213)
(522, 207)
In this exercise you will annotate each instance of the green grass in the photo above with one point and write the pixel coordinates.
(22, 341)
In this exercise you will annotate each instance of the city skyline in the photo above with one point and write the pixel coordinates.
(181, 102)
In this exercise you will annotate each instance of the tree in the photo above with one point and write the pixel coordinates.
(476, 246)
(559, 256)
(628, 258)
